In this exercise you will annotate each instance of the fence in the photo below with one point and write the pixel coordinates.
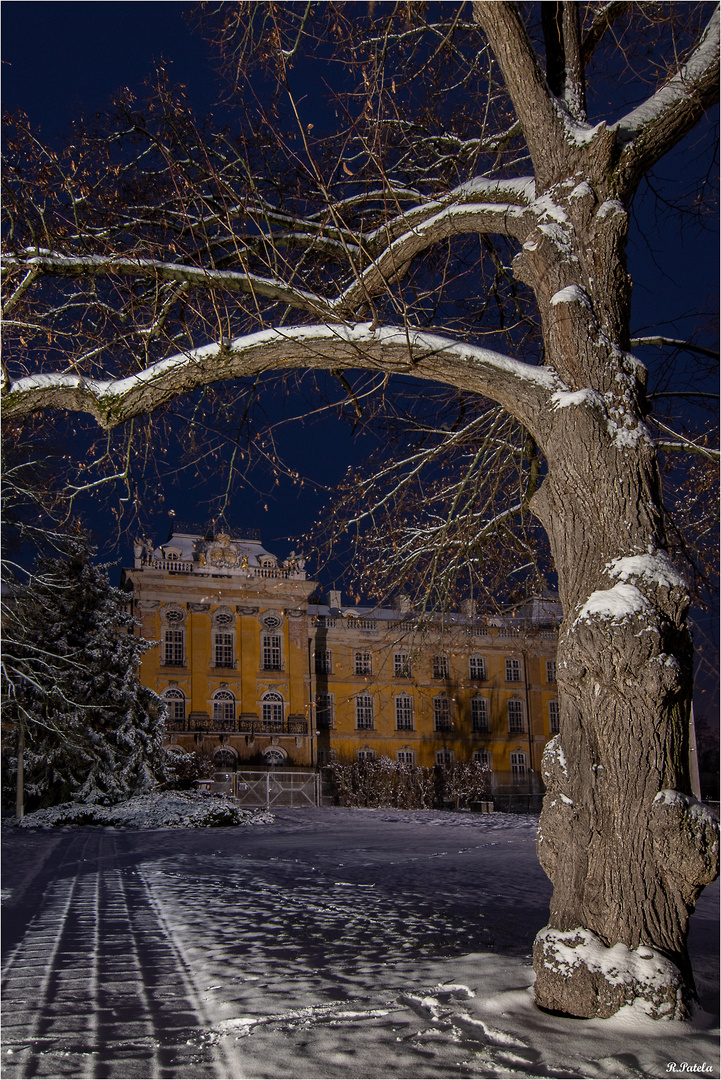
(276, 788)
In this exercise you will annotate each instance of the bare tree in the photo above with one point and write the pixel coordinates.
(463, 213)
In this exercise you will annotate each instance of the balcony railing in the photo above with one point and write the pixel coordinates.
(242, 726)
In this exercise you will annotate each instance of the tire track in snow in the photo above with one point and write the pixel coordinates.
(96, 987)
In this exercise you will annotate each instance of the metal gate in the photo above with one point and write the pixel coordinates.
(276, 788)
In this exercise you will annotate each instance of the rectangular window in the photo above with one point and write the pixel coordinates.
(224, 708)
(364, 711)
(365, 755)
(513, 669)
(406, 757)
(440, 667)
(404, 713)
(362, 663)
(272, 713)
(223, 650)
(173, 648)
(441, 714)
(477, 667)
(515, 717)
(483, 757)
(323, 662)
(324, 710)
(272, 654)
(402, 665)
(479, 714)
(444, 757)
(553, 717)
(518, 766)
(550, 670)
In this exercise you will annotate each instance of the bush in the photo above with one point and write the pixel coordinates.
(385, 783)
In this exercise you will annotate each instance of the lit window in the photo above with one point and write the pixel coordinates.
(173, 642)
(404, 713)
(550, 670)
(553, 717)
(441, 713)
(175, 701)
(271, 652)
(362, 663)
(364, 711)
(406, 757)
(272, 708)
(223, 705)
(513, 669)
(440, 667)
(223, 650)
(444, 757)
(402, 665)
(323, 662)
(324, 710)
(515, 716)
(477, 667)
(518, 766)
(479, 714)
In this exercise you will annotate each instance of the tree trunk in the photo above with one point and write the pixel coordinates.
(626, 846)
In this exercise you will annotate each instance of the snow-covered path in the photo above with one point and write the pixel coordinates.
(332, 943)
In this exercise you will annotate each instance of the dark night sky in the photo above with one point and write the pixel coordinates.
(63, 59)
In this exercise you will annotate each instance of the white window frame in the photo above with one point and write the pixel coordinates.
(406, 757)
(324, 709)
(442, 713)
(364, 712)
(272, 708)
(402, 666)
(516, 716)
(445, 757)
(271, 650)
(176, 703)
(224, 705)
(174, 646)
(518, 765)
(554, 717)
(440, 668)
(366, 754)
(480, 674)
(551, 671)
(362, 662)
(480, 715)
(223, 650)
(403, 708)
(513, 669)
(323, 661)
(484, 757)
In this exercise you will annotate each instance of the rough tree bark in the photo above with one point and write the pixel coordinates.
(627, 848)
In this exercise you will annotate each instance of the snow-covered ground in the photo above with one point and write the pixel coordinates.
(329, 943)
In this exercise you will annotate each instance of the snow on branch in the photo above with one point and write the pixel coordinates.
(654, 127)
(521, 388)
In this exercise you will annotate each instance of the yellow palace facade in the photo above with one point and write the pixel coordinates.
(256, 675)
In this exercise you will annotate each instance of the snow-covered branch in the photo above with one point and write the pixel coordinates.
(654, 127)
(521, 388)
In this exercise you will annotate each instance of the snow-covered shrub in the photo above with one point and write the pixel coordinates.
(166, 810)
(184, 769)
(382, 782)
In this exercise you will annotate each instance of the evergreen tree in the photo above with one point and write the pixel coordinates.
(92, 732)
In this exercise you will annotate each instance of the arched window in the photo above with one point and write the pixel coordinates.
(223, 705)
(225, 760)
(274, 756)
(272, 708)
(175, 701)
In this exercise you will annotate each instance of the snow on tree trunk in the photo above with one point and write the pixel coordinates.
(627, 849)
